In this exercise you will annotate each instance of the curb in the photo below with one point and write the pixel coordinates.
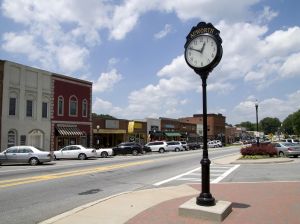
(80, 208)
(263, 161)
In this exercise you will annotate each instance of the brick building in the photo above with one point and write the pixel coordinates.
(71, 121)
(215, 124)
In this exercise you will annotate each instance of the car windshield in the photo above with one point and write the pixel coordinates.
(288, 144)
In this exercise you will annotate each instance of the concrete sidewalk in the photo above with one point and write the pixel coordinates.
(273, 202)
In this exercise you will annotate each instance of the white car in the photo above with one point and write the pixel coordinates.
(104, 152)
(175, 146)
(218, 142)
(157, 146)
(212, 144)
(75, 152)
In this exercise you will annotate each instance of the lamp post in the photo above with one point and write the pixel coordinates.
(98, 141)
(257, 136)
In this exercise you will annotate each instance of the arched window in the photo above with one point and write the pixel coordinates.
(12, 138)
(84, 108)
(73, 106)
(60, 106)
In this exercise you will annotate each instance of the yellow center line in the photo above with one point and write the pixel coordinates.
(27, 180)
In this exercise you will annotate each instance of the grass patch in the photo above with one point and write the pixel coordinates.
(257, 157)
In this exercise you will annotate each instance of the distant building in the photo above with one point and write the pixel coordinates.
(175, 129)
(215, 124)
(109, 132)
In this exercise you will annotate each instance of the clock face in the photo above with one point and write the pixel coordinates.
(201, 51)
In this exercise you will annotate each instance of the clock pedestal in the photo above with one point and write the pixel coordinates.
(205, 198)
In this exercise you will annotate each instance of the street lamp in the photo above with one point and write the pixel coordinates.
(98, 141)
(257, 133)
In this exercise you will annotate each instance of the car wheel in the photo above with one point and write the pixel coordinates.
(281, 154)
(161, 150)
(135, 152)
(33, 161)
(176, 149)
(82, 156)
(54, 157)
(104, 154)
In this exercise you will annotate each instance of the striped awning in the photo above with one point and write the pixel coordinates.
(69, 131)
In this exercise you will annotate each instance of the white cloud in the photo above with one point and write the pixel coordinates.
(161, 34)
(271, 107)
(54, 28)
(267, 15)
(67, 55)
(23, 44)
(106, 81)
(126, 15)
(291, 67)
(105, 107)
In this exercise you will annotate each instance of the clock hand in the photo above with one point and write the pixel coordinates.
(202, 48)
(194, 49)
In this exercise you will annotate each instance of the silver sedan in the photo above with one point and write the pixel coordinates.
(287, 149)
(24, 154)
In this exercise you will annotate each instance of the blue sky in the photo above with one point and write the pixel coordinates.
(132, 51)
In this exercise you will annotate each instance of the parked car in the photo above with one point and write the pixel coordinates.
(287, 149)
(185, 145)
(212, 144)
(24, 154)
(128, 148)
(174, 146)
(75, 152)
(157, 146)
(104, 152)
(219, 143)
(295, 141)
(194, 145)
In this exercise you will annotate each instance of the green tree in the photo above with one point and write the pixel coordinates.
(270, 125)
(287, 125)
(296, 120)
(248, 125)
(104, 116)
(291, 125)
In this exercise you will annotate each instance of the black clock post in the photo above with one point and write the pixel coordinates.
(203, 52)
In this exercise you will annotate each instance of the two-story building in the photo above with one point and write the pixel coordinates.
(71, 121)
(25, 106)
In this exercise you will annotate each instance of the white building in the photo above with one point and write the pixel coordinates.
(26, 106)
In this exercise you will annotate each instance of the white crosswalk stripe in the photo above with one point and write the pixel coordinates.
(217, 173)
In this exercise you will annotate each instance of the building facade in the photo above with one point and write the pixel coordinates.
(71, 121)
(175, 129)
(109, 132)
(25, 106)
(215, 124)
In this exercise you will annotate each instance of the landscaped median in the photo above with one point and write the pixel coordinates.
(262, 153)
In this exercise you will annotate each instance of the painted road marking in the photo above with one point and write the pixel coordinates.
(32, 179)
(220, 172)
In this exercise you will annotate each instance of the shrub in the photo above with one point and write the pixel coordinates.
(259, 150)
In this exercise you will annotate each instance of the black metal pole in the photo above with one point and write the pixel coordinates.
(257, 137)
(205, 198)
